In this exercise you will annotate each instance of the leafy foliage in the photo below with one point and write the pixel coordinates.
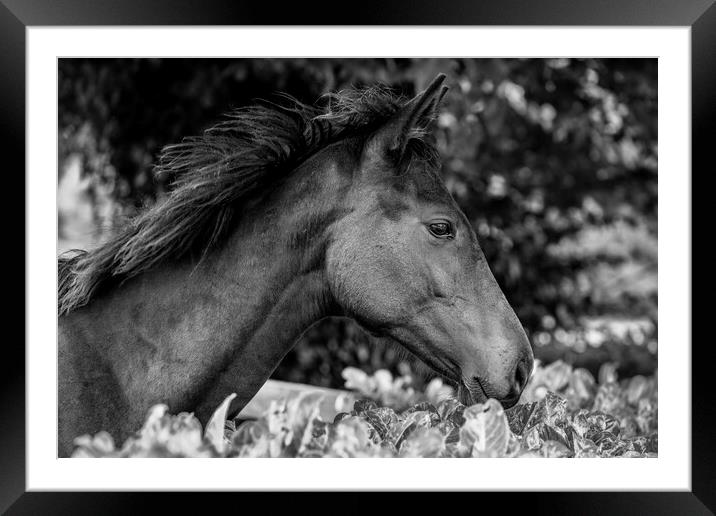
(565, 413)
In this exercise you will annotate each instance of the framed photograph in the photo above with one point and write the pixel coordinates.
(433, 250)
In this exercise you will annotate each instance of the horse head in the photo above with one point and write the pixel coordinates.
(406, 264)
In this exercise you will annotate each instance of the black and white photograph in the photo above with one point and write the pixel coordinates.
(426, 248)
(357, 257)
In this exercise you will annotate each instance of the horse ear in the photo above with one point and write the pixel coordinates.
(416, 114)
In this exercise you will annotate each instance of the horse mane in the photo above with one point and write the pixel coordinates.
(212, 175)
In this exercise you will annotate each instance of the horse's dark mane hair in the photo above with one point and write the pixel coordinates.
(213, 174)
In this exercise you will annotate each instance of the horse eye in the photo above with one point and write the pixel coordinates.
(441, 229)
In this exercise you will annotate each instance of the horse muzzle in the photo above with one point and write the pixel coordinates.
(478, 389)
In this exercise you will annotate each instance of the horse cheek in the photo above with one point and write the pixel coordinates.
(355, 282)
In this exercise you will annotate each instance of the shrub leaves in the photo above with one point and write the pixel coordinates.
(565, 413)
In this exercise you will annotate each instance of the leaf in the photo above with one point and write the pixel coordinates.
(602, 422)
(581, 389)
(101, 445)
(532, 439)
(362, 406)
(388, 449)
(302, 413)
(351, 438)
(448, 407)
(639, 444)
(631, 455)
(340, 416)
(164, 435)
(449, 430)
(585, 448)
(537, 415)
(185, 439)
(455, 450)
(276, 418)
(436, 391)
(409, 423)
(383, 381)
(519, 415)
(605, 441)
(608, 398)
(638, 388)
(315, 445)
(555, 449)
(382, 420)
(487, 433)
(359, 381)
(423, 406)
(580, 423)
(344, 402)
(248, 433)
(628, 425)
(555, 434)
(473, 411)
(555, 409)
(423, 442)
(556, 375)
(647, 415)
(607, 373)
(214, 432)
(251, 439)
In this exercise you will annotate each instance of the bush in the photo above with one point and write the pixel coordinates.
(564, 412)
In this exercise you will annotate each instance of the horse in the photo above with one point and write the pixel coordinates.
(279, 215)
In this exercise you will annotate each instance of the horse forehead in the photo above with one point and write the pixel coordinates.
(403, 191)
(429, 187)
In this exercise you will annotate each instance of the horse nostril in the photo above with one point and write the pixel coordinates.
(520, 379)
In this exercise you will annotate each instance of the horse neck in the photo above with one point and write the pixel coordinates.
(190, 335)
(274, 271)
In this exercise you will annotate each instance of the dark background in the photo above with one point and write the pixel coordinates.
(553, 160)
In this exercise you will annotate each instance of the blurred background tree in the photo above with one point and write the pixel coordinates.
(554, 161)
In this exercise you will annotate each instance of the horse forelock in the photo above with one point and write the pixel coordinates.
(211, 175)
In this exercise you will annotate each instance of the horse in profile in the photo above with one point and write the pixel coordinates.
(279, 216)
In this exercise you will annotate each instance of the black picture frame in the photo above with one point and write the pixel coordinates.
(17, 15)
